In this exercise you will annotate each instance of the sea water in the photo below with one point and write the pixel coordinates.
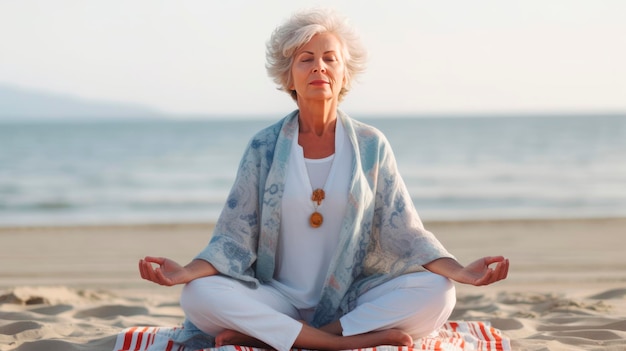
(455, 168)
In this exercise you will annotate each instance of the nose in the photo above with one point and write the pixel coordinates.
(319, 66)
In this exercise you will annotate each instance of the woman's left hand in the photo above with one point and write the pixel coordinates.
(479, 272)
(475, 273)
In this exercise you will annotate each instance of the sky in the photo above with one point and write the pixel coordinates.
(207, 58)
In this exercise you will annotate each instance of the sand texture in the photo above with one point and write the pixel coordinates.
(75, 288)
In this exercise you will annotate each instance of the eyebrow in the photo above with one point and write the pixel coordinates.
(312, 53)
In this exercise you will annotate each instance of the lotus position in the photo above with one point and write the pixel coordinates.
(319, 245)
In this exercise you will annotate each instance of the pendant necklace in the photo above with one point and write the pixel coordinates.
(316, 218)
(318, 195)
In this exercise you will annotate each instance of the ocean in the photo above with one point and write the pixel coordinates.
(177, 171)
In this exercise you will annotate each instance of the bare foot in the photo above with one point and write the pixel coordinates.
(233, 337)
(395, 337)
(320, 340)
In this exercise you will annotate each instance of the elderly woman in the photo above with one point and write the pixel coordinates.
(319, 245)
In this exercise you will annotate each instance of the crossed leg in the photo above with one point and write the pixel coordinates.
(224, 308)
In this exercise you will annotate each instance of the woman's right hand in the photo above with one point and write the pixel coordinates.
(167, 272)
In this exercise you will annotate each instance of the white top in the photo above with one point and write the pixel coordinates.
(304, 253)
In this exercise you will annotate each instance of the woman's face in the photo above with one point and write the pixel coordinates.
(318, 70)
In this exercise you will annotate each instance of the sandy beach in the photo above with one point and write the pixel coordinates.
(75, 288)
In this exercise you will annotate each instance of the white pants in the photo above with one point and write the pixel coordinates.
(417, 303)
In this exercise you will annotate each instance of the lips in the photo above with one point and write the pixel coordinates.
(318, 82)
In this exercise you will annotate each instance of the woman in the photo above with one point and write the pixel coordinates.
(319, 245)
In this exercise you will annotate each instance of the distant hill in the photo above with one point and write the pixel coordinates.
(19, 104)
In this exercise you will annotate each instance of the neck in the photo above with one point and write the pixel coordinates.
(317, 118)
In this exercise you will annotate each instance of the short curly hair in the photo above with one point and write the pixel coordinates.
(297, 31)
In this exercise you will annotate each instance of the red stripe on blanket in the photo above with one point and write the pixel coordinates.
(140, 338)
(128, 338)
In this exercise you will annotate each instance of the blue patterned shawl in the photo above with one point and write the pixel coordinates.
(382, 235)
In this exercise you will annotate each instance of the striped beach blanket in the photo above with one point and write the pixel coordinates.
(453, 336)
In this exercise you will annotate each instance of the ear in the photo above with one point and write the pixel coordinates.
(292, 87)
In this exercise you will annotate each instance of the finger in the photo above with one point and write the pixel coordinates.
(485, 279)
(162, 279)
(149, 272)
(493, 259)
(142, 270)
(505, 269)
(501, 271)
(489, 278)
(157, 260)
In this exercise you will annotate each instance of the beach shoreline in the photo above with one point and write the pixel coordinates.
(75, 287)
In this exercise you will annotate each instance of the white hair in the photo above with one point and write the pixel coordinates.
(297, 31)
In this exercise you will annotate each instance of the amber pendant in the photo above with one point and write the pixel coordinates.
(316, 219)
(318, 195)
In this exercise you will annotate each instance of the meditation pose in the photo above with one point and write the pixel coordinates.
(319, 245)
